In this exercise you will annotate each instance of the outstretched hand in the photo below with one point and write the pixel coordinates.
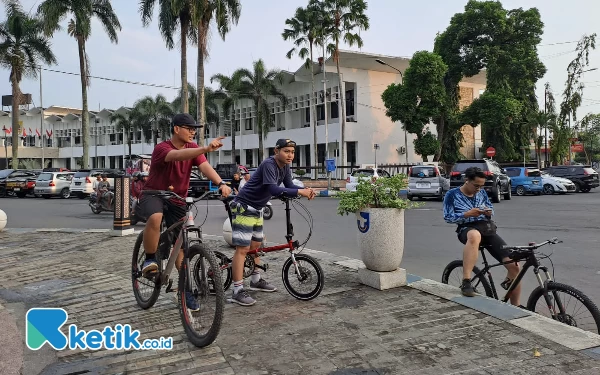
(215, 144)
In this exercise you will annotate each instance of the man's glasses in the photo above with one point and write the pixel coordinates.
(190, 129)
(476, 186)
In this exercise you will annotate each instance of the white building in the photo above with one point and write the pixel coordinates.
(364, 80)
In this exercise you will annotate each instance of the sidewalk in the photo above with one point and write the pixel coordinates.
(424, 328)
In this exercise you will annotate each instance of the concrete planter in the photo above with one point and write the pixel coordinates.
(381, 238)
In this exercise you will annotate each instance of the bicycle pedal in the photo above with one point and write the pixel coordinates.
(169, 287)
(263, 267)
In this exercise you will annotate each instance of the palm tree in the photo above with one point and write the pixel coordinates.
(303, 30)
(173, 15)
(341, 18)
(80, 28)
(158, 113)
(211, 107)
(228, 88)
(224, 13)
(260, 85)
(22, 47)
(128, 124)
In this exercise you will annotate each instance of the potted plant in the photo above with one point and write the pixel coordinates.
(379, 211)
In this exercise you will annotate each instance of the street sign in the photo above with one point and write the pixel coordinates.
(490, 152)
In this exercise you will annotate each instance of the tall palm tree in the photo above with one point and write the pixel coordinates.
(173, 15)
(229, 91)
(224, 13)
(128, 124)
(303, 30)
(80, 28)
(22, 47)
(260, 85)
(345, 16)
(158, 113)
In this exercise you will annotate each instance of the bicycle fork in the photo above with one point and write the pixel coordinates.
(547, 296)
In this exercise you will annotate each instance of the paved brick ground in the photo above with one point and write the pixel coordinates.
(348, 329)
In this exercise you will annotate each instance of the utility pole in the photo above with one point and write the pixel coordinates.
(325, 112)
(42, 120)
(546, 126)
(401, 82)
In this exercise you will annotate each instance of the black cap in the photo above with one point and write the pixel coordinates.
(283, 142)
(184, 119)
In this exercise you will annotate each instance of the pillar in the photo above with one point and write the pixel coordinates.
(121, 218)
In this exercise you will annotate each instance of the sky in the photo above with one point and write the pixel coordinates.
(397, 28)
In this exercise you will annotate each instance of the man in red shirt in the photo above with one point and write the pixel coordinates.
(172, 162)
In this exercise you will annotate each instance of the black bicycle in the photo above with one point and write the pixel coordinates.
(202, 326)
(548, 292)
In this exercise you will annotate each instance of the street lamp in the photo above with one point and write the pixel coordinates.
(405, 132)
(376, 147)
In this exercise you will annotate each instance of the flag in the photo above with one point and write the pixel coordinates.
(30, 132)
(37, 132)
(49, 133)
(24, 133)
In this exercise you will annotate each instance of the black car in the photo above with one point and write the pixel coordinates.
(497, 183)
(17, 182)
(584, 177)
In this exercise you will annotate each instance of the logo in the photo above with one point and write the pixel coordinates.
(43, 326)
(363, 222)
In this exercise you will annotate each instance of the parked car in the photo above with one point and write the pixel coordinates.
(525, 180)
(426, 181)
(82, 184)
(11, 179)
(363, 174)
(553, 184)
(584, 177)
(497, 183)
(49, 184)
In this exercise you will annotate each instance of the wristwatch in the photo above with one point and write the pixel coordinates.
(222, 183)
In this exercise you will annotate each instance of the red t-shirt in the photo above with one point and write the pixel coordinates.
(175, 173)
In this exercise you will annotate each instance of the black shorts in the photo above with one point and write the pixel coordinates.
(493, 243)
(150, 205)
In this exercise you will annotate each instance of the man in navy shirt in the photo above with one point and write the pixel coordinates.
(470, 208)
(247, 212)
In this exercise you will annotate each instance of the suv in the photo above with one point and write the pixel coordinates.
(363, 174)
(497, 183)
(426, 181)
(584, 177)
(49, 184)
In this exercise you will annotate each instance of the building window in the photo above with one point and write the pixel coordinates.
(321, 153)
(351, 153)
(248, 124)
(249, 157)
(334, 110)
(350, 103)
(307, 115)
(321, 112)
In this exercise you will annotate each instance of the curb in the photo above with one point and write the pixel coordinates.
(571, 337)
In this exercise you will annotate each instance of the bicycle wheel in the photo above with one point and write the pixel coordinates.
(145, 290)
(457, 277)
(225, 272)
(306, 275)
(202, 327)
(571, 316)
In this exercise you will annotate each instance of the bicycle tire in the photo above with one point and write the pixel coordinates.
(553, 286)
(144, 304)
(286, 281)
(226, 273)
(210, 336)
(459, 263)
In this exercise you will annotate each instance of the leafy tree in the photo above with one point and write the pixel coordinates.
(421, 97)
(229, 92)
(304, 29)
(589, 135)
(342, 20)
(260, 85)
(173, 15)
(22, 47)
(128, 124)
(504, 42)
(158, 114)
(224, 13)
(53, 12)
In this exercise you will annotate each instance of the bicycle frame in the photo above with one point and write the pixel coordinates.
(530, 261)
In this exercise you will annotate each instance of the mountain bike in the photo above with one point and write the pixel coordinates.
(205, 285)
(300, 268)
(549, 292)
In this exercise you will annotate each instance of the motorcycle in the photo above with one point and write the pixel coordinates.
(98, 207)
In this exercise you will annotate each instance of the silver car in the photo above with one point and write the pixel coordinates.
(49, 184)
(427, 181)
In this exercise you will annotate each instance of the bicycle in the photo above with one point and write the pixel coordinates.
(207, 280)
(296, 260)
(548, 289)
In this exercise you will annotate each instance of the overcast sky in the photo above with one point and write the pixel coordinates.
(398, 28)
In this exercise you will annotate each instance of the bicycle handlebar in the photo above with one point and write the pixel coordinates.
(533, 246)
(171, 194)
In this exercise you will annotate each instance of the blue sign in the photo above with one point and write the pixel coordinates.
(363, 222)
(330, 164)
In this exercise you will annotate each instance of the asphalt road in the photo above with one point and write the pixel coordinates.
(430, 243)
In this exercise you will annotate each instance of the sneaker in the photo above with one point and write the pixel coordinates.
(149, 267)
(190, 302)
(262, 285)
(242, 298)
(467, 289)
